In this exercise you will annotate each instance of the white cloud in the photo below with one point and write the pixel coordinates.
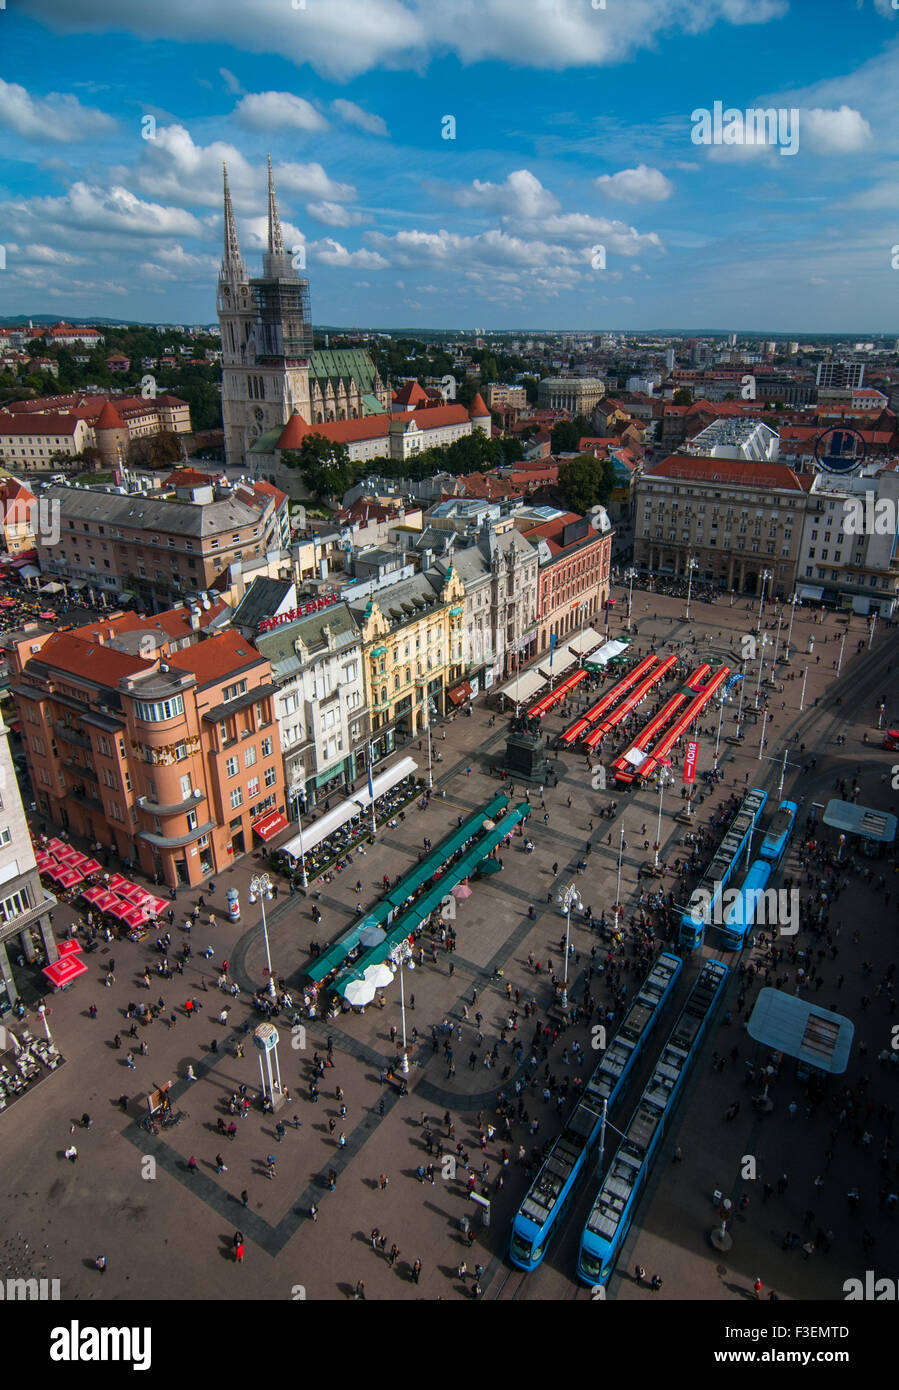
(330, 252)
(616, 236)
(254, 234)
(833, 132)
(333, 215)
(639, 185)
(354, 115)
(521, 195)
(356, 36)
(232, 84)
(110, 210)
(312, 182)
(278, 111)
(61, 119)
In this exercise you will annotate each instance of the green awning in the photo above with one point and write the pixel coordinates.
(411, 882)
(377, 651)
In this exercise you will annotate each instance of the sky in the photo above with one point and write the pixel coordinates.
(458, 164)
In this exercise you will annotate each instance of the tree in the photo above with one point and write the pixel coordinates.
(567, 434)
(586, 481)
(325, 466)
(683, 397)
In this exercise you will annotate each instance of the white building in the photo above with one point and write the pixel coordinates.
(736, 439)
(25, 905)
(848, 546)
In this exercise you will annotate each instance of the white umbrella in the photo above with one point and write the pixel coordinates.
(372, 936)
(359, 992)
(378, 975)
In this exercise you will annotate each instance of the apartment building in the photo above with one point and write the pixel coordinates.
(26, 930)
(736, 519)
(412, 639)
(578, 395)
(320, 704)
(848, 551)
(158, 549)
(173, 763)
(573, 554)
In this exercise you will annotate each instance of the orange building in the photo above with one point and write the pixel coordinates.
(171, 761)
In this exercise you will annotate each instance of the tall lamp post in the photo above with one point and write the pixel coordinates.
(793, 602)
(664, 779)
(766, 575)
(568, 899)
(630, 576)
(261, 891)
(618, 884)
(427, 728)
(692, 564)
(718, 736)
(298, 793)
(758, 684)
(842, 645)
(401, 956)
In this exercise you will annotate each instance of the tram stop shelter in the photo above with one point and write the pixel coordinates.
(875, 829)
(819, 1040)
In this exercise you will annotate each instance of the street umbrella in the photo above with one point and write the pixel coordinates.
(378, 975)
(371, 936)
(359, 992)
(461, 892)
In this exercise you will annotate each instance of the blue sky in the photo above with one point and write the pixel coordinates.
(572, 131)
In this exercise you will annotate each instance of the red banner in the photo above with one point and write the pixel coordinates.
(690, 761)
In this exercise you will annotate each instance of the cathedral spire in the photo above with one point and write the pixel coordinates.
(275, 239)
(232, 262)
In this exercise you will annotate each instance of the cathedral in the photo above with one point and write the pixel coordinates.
(269, 369)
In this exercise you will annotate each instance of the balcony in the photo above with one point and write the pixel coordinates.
(80, 771)
(70, 735)
(154, 808)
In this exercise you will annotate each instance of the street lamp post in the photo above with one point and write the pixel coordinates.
(776, 645)
(842, 645)
(568, 899)
(758, 684)
(718, 736)
(663, 782)
(401, 956)
(261, 889)
(766, 575)
(692, 564)
(790, 629)
(762, 739)
(618, 884)
(802, 693)
(630, 576)
(873, 630)
(296, 791)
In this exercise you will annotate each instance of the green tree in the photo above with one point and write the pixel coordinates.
(683, 396)
(567, 434)
(325, 466)
(586, 482)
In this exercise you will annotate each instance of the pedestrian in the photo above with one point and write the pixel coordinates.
(655, 1283)
(639, 1274)
(757, 1287)
(244, 1198)
(416, 1271)
(313, 1212)
(270, 1163)
(191, 1164)
(100, 1263)
(359, 1290)
(394, 1255)
(220, 1164)
(383, 1180)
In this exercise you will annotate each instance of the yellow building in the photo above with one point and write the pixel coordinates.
(412, 637)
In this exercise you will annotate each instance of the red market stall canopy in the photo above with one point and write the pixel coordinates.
(120, 909)
(116, 882)
(134, 917)
(69, 877)
(538, 710)
(70, 947)
(155, 906)
(56, 846)
(107, 900)
(65, 970)
(95, 894)
(271, 825)
(90, 866)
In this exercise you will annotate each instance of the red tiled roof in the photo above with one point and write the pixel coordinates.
(188, 477)
(51, 423)
(89, 661)
(736, 472)
(551, 532)
(371, 426)
(294, 433)
(217, 658)
(410, 394)
(109, 418)
(477, 410)
(269, 490)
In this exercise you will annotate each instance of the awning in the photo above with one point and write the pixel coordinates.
(356, 805)
(459, 693)
(585, 642)
(524, 687)
(809, 591)
(29, 572)
(607, 652)
(51, 588)
(270, 825)
(69, 948)
(77, 583)
(562, 658)
(64, 971)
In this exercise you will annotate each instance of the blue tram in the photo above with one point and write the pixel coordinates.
(740, 917)
(774, 843)
(723, 866)
(556, 1182)
(613, 1211)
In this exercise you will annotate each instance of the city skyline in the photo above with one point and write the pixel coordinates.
(575, 129)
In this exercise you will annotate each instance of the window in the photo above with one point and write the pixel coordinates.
(191, 820)
(253, 787)
(14, 905)
(5, 835)
(157, 711)
(231, 767)
(249, 756)
(186, 788)
(236, 798)
(232, 692)
(271, 776)
(266, 747)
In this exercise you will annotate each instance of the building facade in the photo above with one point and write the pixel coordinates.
(320, 705)
(573, 557)
(848, 551)
(26, 908)
(737, 520)
(578, 395)
(172, 763)
(412, 639)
